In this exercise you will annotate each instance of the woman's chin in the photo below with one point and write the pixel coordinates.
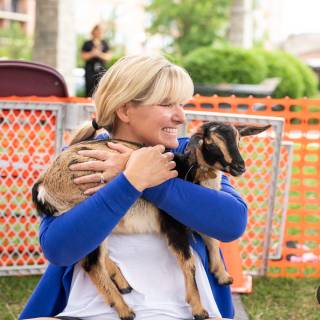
(172, 144)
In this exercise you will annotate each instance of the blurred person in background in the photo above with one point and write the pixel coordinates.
(95, 52)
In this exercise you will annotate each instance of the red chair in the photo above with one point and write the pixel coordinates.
(24, 78)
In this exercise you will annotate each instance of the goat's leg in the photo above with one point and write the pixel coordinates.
(95, 266)
(110, 293)
(177, 237)
(216, 264)
(117, 276)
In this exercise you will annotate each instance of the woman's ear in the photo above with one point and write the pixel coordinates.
(122, 113)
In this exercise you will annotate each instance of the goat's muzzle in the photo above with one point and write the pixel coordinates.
(237, 169)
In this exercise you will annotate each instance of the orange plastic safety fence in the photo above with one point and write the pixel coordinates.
(300, 251)
(257, 151)
(27, 144)
(18, 224)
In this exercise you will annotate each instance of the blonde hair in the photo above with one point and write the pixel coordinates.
(139, 79)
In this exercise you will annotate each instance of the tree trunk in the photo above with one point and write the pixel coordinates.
(241, 23)
(55, 39)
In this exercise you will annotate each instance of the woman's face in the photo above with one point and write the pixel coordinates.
(156, 124)
(97, 33)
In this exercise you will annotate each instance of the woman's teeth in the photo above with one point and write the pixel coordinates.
(170, 130)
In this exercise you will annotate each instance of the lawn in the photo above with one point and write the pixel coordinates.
(282, 299)
(272, 299)
(14, 292)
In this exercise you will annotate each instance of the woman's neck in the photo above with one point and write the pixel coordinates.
(125, 135)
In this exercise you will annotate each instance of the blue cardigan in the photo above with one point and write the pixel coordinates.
(70, 237)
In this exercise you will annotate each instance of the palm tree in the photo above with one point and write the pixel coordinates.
(55, 38)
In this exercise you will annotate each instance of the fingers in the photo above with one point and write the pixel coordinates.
(88, 166)
(95, 154)
(93, 190)
(90, 178)
(161, 148)
(119, 147)
(169, 156)
(171, 165)
(173, 174)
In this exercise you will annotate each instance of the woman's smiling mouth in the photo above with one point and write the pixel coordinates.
(173, 131)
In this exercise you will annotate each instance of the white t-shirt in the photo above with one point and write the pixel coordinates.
(153, 273)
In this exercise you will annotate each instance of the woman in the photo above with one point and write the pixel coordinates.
(139, 99)
(95, 52)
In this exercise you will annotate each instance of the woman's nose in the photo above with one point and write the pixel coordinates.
(179, 115)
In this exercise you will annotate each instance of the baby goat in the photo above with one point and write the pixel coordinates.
(212, 150)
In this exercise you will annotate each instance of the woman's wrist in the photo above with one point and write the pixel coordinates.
(134, 180)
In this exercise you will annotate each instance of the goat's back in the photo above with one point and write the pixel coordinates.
(56, 187)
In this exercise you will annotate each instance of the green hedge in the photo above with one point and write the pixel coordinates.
(291, 84)
(171, 57)
(225, 65)
(208, 65)
(309, 78)
(113, 60)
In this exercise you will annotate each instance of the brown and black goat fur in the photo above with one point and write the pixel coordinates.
(211, 151)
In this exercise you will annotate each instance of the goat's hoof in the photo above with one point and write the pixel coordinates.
(125, 290)
(201, 316)
(226, 280)
(129, 316)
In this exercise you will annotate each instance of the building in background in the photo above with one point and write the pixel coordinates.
(291, 25)
(270, 22)
(21, 11)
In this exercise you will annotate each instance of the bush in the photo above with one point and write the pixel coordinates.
(309, 78)
(113, 60)
(15, 43)
(210, 65)
(173, 58)
(291, 84)
(170, 57)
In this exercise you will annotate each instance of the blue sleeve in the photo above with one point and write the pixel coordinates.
(68, 238)
(219, 214)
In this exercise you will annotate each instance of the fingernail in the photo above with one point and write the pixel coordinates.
(80, 152)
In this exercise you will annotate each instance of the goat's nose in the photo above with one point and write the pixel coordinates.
(240, 167)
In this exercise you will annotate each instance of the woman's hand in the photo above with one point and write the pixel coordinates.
(107, 165)
(150, 166)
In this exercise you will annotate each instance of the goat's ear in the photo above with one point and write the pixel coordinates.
(196, 141)
(251, 130)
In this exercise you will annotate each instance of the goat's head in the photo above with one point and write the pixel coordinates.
(216, 145)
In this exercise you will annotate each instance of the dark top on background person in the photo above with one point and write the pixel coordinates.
(95, 52)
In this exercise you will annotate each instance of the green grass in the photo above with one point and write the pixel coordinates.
(14, 293)
(272, 299)
(282, 299)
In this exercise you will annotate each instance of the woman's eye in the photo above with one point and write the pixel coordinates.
(171, 105)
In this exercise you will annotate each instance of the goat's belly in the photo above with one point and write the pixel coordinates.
(142, 217)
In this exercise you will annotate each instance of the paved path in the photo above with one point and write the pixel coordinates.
(239, 308)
